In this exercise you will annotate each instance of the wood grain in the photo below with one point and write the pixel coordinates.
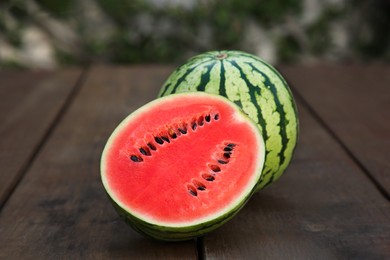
(29, 103)
(354, 102)
(60, 209)
(324, 207)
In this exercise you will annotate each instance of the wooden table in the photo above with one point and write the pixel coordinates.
(332, 202)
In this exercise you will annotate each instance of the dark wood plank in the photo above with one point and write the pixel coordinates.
(29, 103)
(354, 102)
(324, 207)
(60, 209)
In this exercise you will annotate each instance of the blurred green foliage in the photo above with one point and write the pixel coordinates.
(60, 9)
(375, 41)
(142, 31)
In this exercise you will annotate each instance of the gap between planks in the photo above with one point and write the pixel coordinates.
(22, 172)
(200, 250)
(338, 140)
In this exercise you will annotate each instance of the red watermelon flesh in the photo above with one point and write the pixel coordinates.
(183, 160)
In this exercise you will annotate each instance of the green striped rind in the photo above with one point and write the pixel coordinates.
(257, 88)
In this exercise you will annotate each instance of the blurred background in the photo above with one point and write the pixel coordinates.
(51, 34)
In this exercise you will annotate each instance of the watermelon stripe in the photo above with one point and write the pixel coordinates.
(266, 173)
(281, 79)
(166, 87)
(279, 76)
(222, 87)
(252, 92)
(182, 78)
(270, 180)
(205, 77)
(279, 108)
(292, 126)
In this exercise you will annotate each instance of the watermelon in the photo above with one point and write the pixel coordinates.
(257, 88)
(182, 165)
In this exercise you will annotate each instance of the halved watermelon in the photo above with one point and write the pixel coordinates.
(182, 165)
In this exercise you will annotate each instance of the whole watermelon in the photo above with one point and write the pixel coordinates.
(257, 88)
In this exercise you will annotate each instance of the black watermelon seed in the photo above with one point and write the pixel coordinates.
(222, 162)
(183, 131)
(231, 145)
(158, 140)
(136, 158)
(144, 151)
(191, 189)
(194, 126)
(166, 139)
(227, 149)
(200, 121)
(201, 187)
(216, 117)
(151, 146)
(226, 155)
(172, 133)
(208, 118)
(214, 168)
(208, 177)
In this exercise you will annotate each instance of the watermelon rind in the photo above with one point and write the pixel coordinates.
(257, 88)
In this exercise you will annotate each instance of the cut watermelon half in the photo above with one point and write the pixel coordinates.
(182, 165)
